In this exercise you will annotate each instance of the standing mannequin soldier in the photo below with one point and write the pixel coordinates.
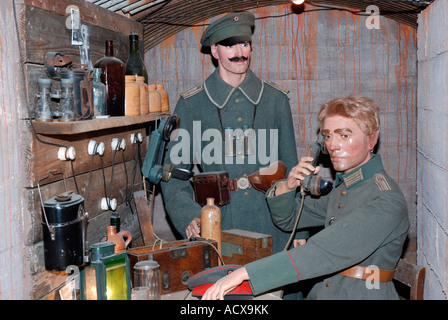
(232, 96)
(365, 217)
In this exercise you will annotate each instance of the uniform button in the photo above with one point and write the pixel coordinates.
(327, 284)
(239, 119)
(238, 100)
(331, 220)
(343, 192)
(340, 205)
(246, 194)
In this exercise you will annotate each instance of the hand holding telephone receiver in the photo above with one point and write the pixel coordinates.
(313, 184)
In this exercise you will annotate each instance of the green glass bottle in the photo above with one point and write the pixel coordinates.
(135, 65)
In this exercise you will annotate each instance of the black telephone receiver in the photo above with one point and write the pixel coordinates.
(313, 184)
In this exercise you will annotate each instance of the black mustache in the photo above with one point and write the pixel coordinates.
(237, 59)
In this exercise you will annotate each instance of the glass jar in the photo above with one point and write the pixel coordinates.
(43, 103)
(67, 104)
(147, 275)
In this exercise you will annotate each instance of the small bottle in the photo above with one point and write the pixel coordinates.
(211, 222)
(43, 111)
(155, 100)
(164, 97)
(135, 65)
(67, 104)
(144, 96)
(132, 97)
(99, 92)
(112, 75)
(115, 221)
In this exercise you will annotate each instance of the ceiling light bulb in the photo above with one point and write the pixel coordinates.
(298, 2)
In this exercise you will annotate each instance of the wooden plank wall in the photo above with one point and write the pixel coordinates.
(42, 28)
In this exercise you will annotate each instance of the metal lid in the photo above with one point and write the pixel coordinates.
(63, 208)
(146, 264)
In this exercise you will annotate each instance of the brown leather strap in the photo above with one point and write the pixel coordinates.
(363, 273)
(233, 184)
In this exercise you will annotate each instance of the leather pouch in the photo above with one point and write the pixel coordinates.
(212, 185)
(263, 179)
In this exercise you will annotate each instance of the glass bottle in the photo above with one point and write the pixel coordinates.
(67, 104)
(99, 92)
(135, 65)
(43, 111)
(112, 75)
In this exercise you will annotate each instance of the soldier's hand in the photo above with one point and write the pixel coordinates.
(296, 175)
(194, 228)
(226, 284)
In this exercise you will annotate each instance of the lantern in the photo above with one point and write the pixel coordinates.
(107, 277)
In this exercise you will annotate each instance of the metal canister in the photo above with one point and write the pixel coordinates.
(63, 232)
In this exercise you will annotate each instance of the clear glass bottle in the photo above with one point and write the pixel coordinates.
(67, 104)
(43, 103)
(112, 75)
(135, 65)
(99, 92)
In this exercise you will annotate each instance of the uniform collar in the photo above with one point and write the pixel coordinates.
(364, 172)
(219, 92)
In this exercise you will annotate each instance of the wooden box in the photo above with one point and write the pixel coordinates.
(178, 261)
(241, 246)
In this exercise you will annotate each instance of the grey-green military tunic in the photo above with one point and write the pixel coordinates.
(199, 106)
(365, 221)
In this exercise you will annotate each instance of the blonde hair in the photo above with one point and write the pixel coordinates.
(361, 109)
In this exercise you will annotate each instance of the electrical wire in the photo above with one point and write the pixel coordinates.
(293, 232)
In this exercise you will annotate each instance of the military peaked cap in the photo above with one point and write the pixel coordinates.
(238, 25)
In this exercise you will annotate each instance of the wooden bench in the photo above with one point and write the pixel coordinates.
(412, 276)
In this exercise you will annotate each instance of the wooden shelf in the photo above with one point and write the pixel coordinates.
(83, 126)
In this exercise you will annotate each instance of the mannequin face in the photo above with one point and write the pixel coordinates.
(229, 64)
(348, 146)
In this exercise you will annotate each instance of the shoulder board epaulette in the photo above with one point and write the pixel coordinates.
(381, 182)
(276, 86)
(192, 91)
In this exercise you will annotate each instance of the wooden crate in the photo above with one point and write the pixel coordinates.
(241, 246)
(178, 261)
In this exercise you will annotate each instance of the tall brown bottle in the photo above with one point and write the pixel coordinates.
(112, 75)
(211, 222)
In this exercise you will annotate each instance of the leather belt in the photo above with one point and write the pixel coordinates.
(363, 273)
(238, 184)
